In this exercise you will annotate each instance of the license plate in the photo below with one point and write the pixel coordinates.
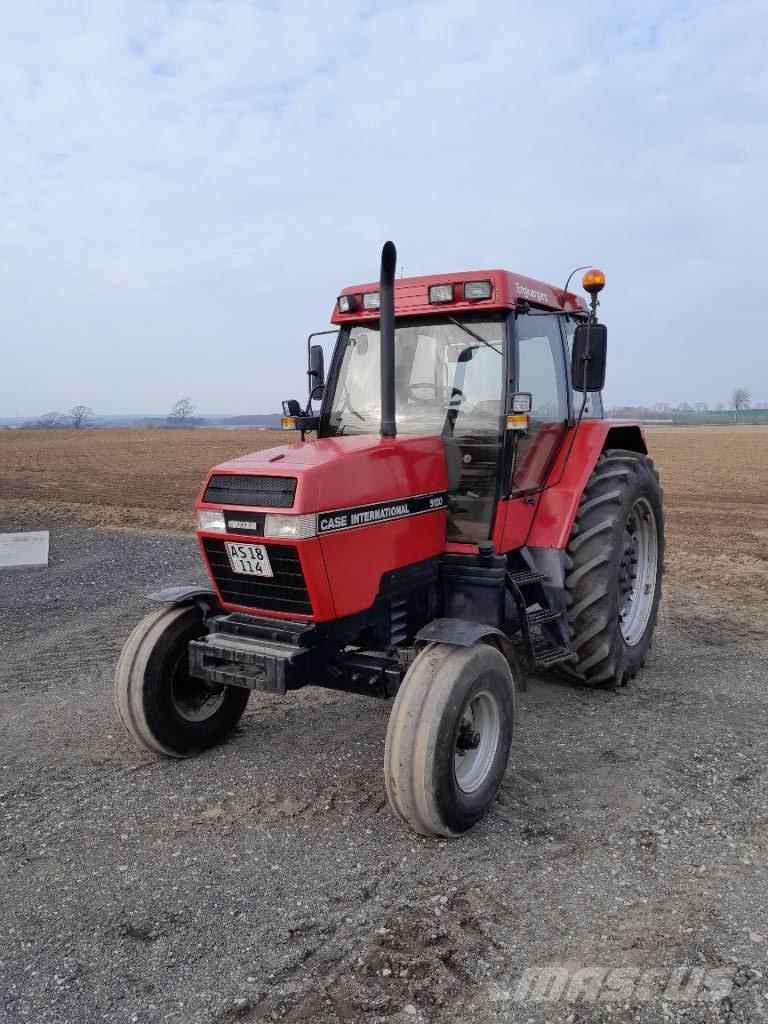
(249, 559)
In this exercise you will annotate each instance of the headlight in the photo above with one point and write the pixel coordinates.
(211, 520)
(295, 527)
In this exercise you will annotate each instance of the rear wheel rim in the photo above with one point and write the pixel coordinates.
(636, 589)
(477, 742)
(193, 699)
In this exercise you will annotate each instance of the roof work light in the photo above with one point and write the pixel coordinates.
(347, 303)
(474, 290)
(440, 293)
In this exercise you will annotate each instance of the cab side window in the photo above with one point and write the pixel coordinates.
(540, 371)
(540, 366)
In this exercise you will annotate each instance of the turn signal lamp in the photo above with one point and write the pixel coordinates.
(593, 281)
(517, 421)
(288, 422)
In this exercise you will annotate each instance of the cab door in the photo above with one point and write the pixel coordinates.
(539, 368)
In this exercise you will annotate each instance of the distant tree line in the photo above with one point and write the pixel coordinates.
(81, 416)
(741, 400)
(78, 417)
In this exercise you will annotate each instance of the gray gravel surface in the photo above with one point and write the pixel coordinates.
(268, 880)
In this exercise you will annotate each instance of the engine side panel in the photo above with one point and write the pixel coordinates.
(359, 544)
(357, 560)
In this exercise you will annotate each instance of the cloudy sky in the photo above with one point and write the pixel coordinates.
(186, 185)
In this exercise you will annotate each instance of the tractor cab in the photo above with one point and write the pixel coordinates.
(482, 361)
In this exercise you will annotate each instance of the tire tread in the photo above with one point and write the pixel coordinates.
(602, 656)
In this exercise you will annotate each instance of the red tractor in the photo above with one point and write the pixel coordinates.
(462, 513)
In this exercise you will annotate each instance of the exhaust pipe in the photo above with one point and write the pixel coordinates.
(387, 338)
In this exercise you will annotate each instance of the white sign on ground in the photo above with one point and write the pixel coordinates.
(23, 550)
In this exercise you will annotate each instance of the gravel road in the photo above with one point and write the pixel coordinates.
(268, 880)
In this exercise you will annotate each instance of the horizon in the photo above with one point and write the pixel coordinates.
(200, 419)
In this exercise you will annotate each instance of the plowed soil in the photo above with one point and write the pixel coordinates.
(141, 478)
(715, 487)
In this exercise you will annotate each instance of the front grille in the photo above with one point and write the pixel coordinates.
(285, 592)
(253, 491)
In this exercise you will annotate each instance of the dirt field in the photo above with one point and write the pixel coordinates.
(268, 881)
(715, 487)
(141, 478)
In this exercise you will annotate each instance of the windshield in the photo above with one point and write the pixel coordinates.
(445, 378)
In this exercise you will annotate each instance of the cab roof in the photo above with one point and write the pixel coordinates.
(507, 290)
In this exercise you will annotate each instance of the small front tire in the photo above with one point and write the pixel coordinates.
(162, 707)
(449, 737)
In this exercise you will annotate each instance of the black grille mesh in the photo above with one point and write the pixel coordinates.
(285, 592)
(251, 491)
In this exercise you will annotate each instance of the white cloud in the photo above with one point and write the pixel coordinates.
(186, 186)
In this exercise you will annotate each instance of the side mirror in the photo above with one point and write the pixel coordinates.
(316, 369)
(590, 348)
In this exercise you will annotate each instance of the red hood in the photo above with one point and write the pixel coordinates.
(299, 453)
(336, 472)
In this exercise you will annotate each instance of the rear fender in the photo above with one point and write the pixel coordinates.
(559, 502)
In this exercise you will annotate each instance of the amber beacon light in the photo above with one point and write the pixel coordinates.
(593, 281)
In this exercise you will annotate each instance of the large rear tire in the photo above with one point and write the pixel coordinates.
(614, 562)
(162, 707)
(449, 736)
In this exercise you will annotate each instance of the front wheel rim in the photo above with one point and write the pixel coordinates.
(193, 699)
(477, 742)
(636, 589)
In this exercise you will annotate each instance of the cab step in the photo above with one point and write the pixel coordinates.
(526, 577)
(545, 654)
(533, 612)
(542, 615)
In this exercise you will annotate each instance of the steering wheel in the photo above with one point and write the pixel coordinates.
(440, 393)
